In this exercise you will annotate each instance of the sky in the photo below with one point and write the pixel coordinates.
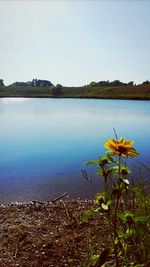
(74, 42)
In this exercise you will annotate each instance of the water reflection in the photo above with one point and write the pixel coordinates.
(12, 100)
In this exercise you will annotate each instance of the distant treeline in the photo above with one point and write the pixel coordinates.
(46, 83)
(34, 82)
(100, 90)
(114, 83)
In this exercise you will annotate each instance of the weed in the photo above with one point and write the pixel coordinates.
(126, 209)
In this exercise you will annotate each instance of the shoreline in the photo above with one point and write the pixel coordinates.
(73, 97)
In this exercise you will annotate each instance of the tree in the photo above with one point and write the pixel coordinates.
(59, 85)
(146, 82)
(1, 82)
(103, 83)
(93, 84)
(41, 83)
(116, 83)
(56, 90)
(131, 83)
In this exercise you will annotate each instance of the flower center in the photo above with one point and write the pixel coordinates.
(121, 149)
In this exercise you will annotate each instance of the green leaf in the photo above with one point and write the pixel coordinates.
(104, 206)
(126, 181)
(141, 219)
(100, 195)
(127, 216)
(94, 260)
(135, 189)
(91, 162)
(100, 198)
(111, 160)
(116, 241)
(105, 160)
(130, 232)
(100, 260)
(122, 217)
(109, 202)
(98, 210)
(88, 215)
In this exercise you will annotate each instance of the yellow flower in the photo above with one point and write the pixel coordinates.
(121, 147)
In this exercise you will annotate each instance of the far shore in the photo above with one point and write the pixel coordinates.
(138, 92)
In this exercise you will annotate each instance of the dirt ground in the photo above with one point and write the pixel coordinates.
(49, 234)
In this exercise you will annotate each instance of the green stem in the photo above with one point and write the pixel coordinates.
(119, 168)
(116, 213)
(115, 232)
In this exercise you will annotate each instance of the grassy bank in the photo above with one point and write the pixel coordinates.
(139, 92)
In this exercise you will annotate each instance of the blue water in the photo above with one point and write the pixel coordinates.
(45, 142)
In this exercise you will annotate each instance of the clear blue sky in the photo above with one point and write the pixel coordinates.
(74, 42)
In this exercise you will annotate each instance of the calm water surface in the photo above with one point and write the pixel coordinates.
(45, 142)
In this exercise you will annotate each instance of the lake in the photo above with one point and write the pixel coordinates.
(45, 142)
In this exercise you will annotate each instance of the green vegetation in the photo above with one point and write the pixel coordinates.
(99, 90)
(109, 92)
(124, 208)
(28, 91)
